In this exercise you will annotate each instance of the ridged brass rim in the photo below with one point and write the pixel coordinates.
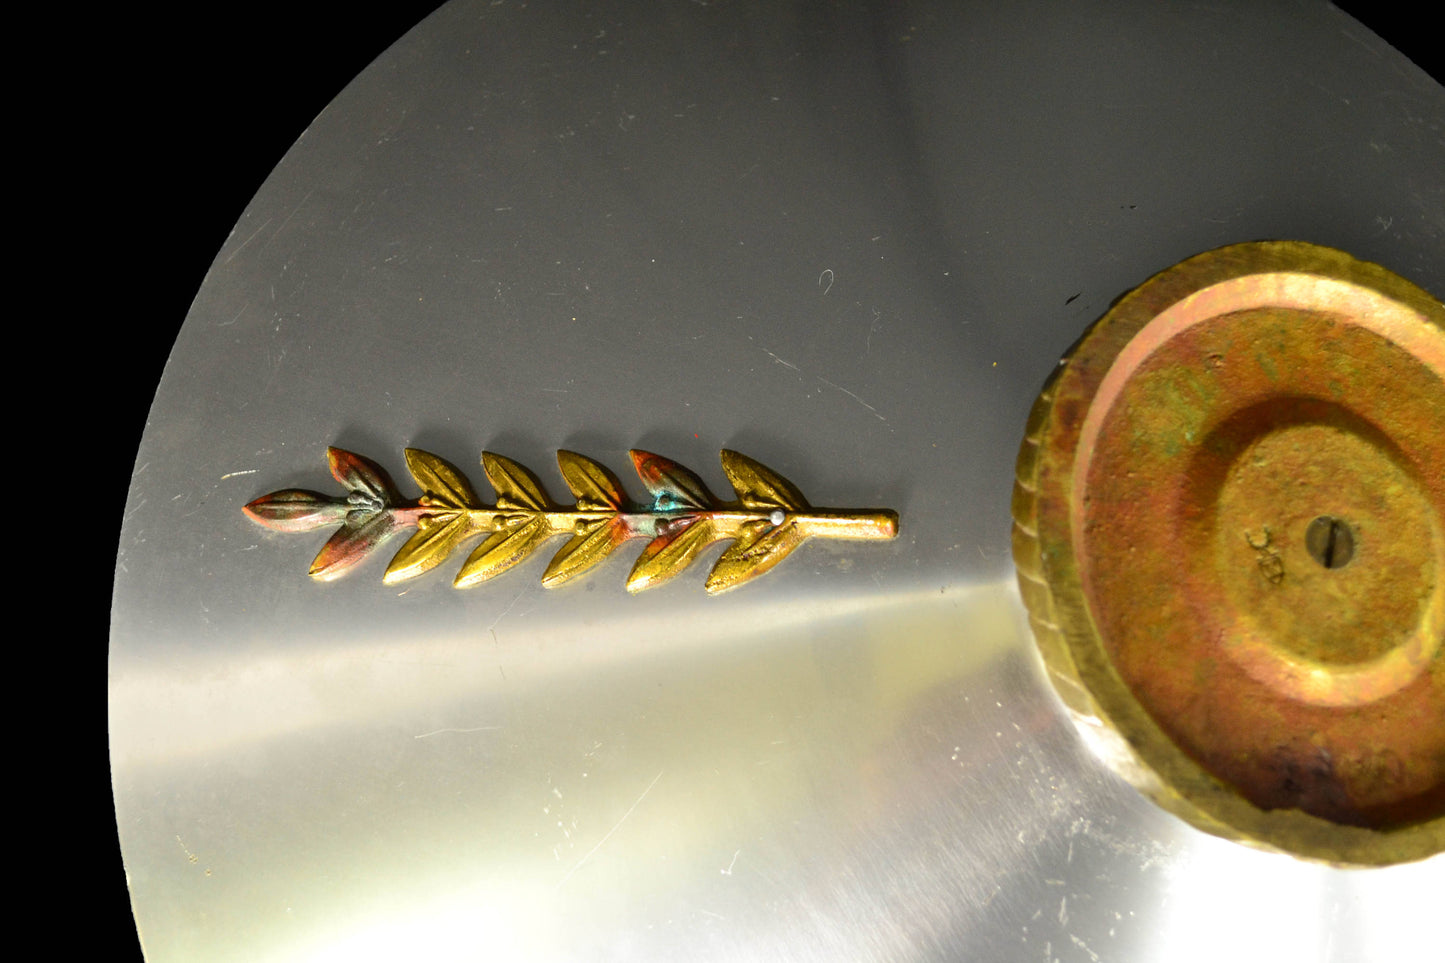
(1062, 506)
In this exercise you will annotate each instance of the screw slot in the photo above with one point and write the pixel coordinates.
(1330, 541)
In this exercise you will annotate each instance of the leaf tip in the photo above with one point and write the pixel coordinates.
(339, 460)
(554, 578)
(326, 567)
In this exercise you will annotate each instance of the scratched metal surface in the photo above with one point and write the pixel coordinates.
(850, 242)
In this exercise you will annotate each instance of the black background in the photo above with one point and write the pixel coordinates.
(200, 110)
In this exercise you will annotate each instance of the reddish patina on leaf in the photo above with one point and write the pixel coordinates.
(351, 544)
(296, 510)
(672, 486)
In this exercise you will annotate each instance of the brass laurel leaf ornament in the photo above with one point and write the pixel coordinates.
(769, 519)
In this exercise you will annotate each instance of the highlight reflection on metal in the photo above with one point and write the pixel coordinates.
(617, 242)
(1247, 448)
(769, 519)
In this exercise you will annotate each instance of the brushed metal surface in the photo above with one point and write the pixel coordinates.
(850, 243)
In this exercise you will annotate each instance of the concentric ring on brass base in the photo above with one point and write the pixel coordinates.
(1229, 527)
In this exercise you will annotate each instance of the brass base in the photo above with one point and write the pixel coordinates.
(1230, 533)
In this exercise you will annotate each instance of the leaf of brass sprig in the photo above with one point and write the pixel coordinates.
(768, 520)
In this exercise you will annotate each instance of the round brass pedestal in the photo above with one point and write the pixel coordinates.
(1230, 533)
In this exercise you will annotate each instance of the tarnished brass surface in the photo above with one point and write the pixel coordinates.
(1230, 532)
(769, 519)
